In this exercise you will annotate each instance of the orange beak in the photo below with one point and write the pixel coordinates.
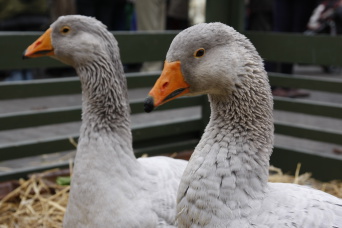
(170, 85)
(41, 47)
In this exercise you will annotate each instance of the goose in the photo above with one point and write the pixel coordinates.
(225, 183)
(109, 187)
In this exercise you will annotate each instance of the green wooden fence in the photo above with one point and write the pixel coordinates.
(183, 133)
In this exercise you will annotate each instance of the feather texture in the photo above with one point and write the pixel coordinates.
(110, 187)
(225, 182)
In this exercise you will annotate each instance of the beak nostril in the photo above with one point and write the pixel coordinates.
(165, 85)
(38, 43)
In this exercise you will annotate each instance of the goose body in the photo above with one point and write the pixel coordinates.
(110, 187)
(225, 183)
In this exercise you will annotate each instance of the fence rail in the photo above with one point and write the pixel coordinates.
(182, 133)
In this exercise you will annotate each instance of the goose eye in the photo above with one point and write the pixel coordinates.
(65, 29)
(199, 53)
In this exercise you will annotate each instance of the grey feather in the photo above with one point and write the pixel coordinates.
(225, 182)
(110, 187)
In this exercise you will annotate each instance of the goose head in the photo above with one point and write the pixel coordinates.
(73, 41)
(204, 59)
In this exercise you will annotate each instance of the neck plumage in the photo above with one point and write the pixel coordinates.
(230, 164)
(105, 109)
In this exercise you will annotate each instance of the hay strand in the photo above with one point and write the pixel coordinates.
(39, 202)
(35, 203)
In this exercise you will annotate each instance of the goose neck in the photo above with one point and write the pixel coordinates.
(104, 97)
(105, 114)
(232, 159)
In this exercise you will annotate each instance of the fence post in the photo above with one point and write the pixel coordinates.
(230, 12)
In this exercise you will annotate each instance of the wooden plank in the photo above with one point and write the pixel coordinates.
(140, 80)
(62, 86)
(298, 48)
(162, 129)
(39, 118)
(308, 107)
(71, 114)
(61, 143)
(306, 132)
(285, 158)
(150, 46)
(150, 151)
(13, 45)
(230, 12)
(217, 11)
(39, 88)
(36, 147)
(323, 167)
(135, 47)
(25, 171)
(331, 85)
(163, 148)
(71, 85)
(144, 46)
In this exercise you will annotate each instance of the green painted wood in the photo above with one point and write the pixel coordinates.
(149, 46)
(305, 132)
(140, 80)
(13, 45)
(72, 114)
(308, 107)
(155, 149)
(39, 118)
(164, 129)
(298, 48)
(230, 12)
(36, 147)
(39, 88)
(330, 167)
(61, 143)
(144, 46)
(217, 11)
(25, 171)
(323, 167)
(63, 86)
(52, 87)
(306, 82)
(134, 47)
(169, 147)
